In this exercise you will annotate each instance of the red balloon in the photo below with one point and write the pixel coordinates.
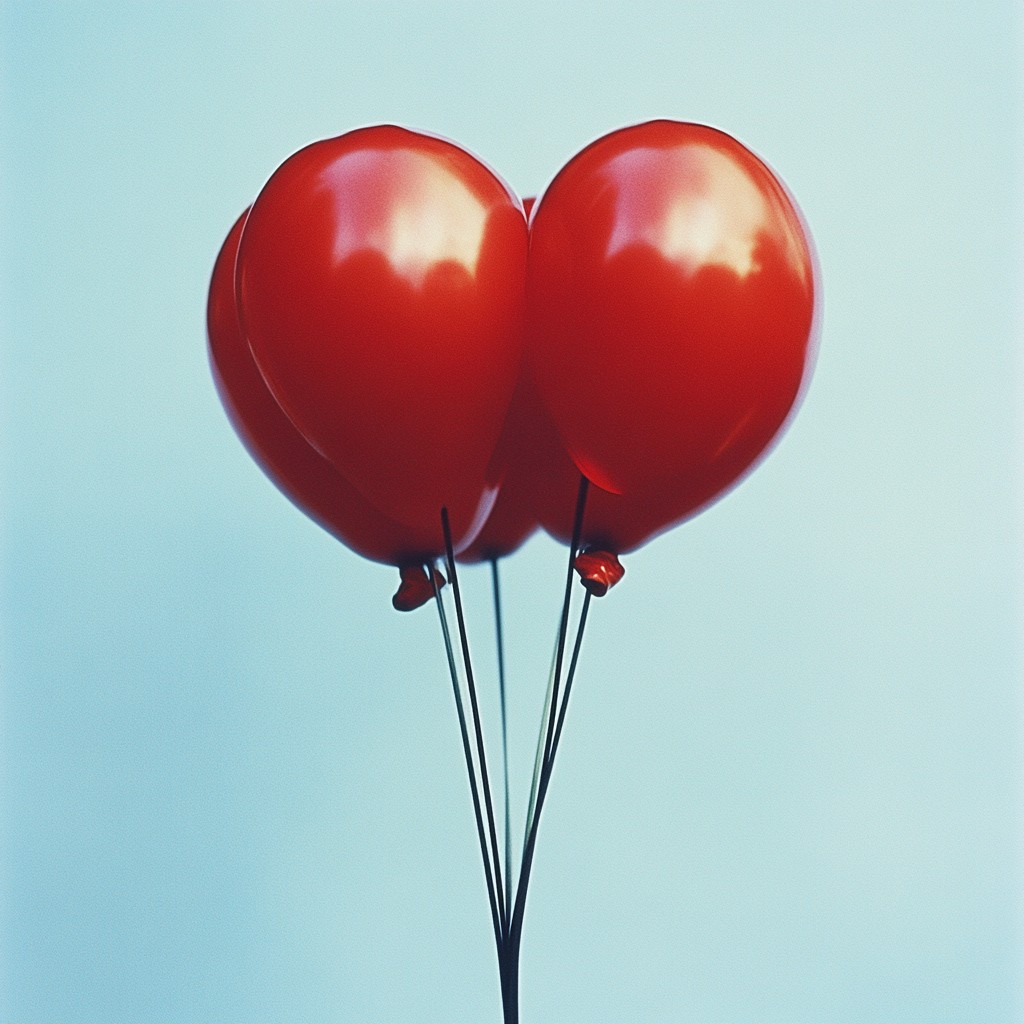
(302, 474)
(671, 309)
(380, 282)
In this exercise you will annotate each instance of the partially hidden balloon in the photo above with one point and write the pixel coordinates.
(527, 443)
(671, 319)
(380, 283)
(544, 483)
(526, 450)
(304, 476)
(541, 485)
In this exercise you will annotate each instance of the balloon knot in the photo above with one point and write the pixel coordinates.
(416, 588)
(599, 571)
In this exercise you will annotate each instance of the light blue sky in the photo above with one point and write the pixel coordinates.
(790, 786)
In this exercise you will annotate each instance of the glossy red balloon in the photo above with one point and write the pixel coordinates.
(380, 281)
(671, 310)
(303, 475)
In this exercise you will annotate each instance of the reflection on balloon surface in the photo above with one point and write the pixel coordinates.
(438, 219)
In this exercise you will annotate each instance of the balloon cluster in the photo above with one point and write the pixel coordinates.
(390, 337)
(431, 368)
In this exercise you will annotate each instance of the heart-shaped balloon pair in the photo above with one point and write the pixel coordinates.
(389, 338)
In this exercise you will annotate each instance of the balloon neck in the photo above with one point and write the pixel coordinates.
(599, 571)
(415, 588)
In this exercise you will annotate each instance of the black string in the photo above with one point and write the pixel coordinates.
(469, 760)
(515, 931)
(481, 756)
(577, 530)
(569, 678)
(500, 639)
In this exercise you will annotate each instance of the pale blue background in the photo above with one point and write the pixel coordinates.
(790, 788)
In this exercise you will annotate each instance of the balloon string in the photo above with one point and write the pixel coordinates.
(538, 760)
(516, 927)
(515, 931)
(577, 530)
(481, 756)
(469, 759)
(569, 678)
(500, 640)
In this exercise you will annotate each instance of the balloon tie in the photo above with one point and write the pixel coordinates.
(416, 588)
(599, 571)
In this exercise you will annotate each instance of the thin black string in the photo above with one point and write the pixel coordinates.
(515, 931)
(577, 530)
(516, 928)
(569, 678)
(500, 639)
(481, 756)
(469, 762)
(538, 761)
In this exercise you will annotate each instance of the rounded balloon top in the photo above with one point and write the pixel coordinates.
(380, 283)
(671, 299)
